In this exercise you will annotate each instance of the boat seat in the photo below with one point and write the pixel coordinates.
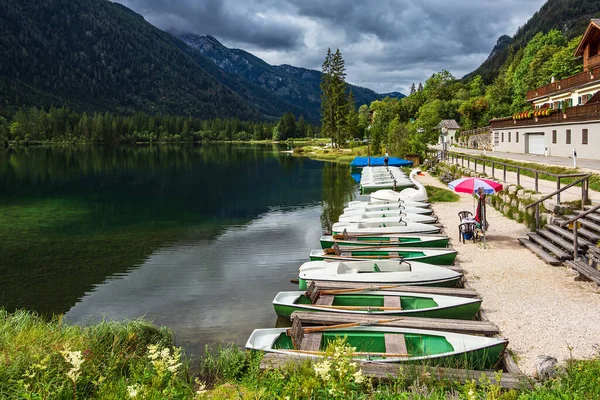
(311, 341)
(392, 301)
(393, 255)
(395, 343)
(325, 300)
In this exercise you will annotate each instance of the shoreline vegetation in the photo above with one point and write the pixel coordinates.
(135, 359)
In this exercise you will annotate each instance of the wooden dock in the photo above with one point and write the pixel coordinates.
(390, 371)
(486, 328)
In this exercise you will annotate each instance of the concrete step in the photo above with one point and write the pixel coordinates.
(567, 234)
(549, 259)
(559, 253)
(558, 240)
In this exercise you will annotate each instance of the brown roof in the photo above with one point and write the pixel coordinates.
(449, 123)
(592, 27)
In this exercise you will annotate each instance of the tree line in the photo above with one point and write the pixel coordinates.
(408, 125)
(37, 125)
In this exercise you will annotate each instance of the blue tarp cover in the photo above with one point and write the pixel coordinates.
(361, 162)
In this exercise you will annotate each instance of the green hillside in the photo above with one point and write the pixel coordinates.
(97, 55)
(569, 16)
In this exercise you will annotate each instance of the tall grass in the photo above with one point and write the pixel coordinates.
(52, 360)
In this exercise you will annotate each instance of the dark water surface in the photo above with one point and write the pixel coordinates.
(196, 238)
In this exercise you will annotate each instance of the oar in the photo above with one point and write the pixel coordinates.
(381, 257)
(358, 353)
(359, 308)
(364, 289)
(350, 325)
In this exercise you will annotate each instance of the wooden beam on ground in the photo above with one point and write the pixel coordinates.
(327, 285)
(437, 324)
(390, 371)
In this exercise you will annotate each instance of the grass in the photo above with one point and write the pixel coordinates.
(51, 359)
(440, 195)
(344, 156)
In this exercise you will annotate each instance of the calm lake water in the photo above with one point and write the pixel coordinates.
(196, 238)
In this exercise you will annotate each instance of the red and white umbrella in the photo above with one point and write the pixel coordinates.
(472, 185)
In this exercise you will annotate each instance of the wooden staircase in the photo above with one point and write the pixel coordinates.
(554, 244)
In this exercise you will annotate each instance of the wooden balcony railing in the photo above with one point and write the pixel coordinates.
(573, 81)
(593, 61)
(572, 114)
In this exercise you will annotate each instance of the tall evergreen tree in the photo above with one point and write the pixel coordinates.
(420, 89)
(334, 104)
(413, 90)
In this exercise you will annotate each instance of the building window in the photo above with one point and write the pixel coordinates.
(568, 136)
(496, 139)
(502, 137)
(517, 137)
(584, 136)
(508, 137)
(553, 136)
(579, 100)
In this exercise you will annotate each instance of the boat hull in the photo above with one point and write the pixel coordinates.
(437, 348)
(430, 256)
(397, 241)
(412, 304)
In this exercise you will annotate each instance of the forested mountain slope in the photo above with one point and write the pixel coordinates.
(98, 55)
(569, 16)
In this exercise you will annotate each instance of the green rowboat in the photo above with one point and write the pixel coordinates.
(397, 240)
(426, 255)
(387, 345)
(377, 302)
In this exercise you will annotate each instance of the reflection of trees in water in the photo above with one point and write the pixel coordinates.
(338, 189)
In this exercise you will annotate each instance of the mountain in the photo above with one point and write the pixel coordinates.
(299, 87)
(396, 95)
(569, 16)
(97, 55)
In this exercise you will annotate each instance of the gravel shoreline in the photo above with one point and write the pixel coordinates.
(540, 309)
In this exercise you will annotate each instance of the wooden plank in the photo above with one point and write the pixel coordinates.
(325, 300)
(486, 328)
(311, 341)
(567, 234)
(395, 343)
(387, 371)
(327, 285)
(539, 251)
(392, 301)
(586, 270)
(558, 252)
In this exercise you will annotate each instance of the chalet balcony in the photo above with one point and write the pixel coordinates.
(593, 61)
(588, 112)
(574, 81)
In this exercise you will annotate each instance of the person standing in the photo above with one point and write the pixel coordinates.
(386, 158)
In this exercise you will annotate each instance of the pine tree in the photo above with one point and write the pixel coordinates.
(420, 89)
(412, 89)
(334, 104)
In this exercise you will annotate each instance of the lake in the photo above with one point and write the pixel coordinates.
(197, 238)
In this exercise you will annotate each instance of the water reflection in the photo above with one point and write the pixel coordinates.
(196, 238)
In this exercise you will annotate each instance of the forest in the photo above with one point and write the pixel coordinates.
(62, 125)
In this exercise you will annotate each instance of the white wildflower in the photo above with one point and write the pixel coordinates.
(200, 385)
(322, 369)
(75, 359)
(359, 377)
(133, 390)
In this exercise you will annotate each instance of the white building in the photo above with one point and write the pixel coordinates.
(448, 129)
(567, 112)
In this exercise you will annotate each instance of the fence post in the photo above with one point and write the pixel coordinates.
(463, 161)
(575, 243)
(484, 167)
(558, 188)
(468, 162)
(475, 160)
(493, 170)
(504, 172)
(537, 216)
(536, 182)
(584, 192)
(518, 176)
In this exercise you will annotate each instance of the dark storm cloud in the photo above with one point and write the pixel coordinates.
(387, 44)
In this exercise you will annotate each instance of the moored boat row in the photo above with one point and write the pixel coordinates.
(382, 255)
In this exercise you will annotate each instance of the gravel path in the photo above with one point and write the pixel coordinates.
(540, 309)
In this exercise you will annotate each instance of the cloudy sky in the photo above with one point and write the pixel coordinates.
(387, 44)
